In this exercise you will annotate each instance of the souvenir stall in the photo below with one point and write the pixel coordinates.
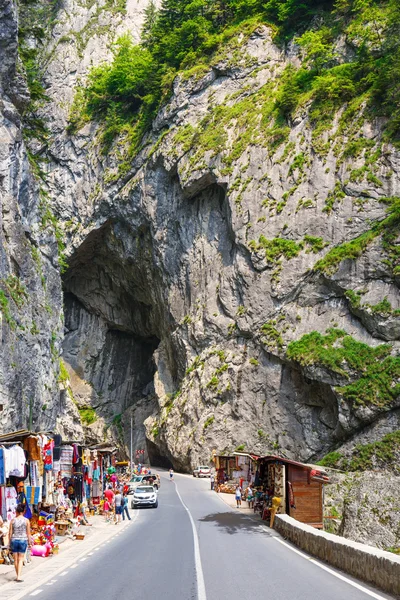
(13, 472)
(224, 467)
(239, 468)
(290, 487)
(246, 469)
(27, 477)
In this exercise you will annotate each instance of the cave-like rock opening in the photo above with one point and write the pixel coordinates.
(112, 330)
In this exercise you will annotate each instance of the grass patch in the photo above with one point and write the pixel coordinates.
(208, 422)
(89, 416)
(387, 228)
(373, 373)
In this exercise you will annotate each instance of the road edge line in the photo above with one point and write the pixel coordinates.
(201, 588)
(332, 572)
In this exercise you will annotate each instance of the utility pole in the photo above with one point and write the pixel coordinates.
(131, 444)
(30, 413)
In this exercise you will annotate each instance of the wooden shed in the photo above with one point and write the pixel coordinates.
(299, 485)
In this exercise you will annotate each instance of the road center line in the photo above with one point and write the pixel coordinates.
(201, 588)
(332, 572)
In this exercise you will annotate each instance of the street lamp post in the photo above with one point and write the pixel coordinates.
(131, 444)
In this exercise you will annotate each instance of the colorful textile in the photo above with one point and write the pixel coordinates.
(34, 472)
(2, 467)
(31, 445)
(11, 502)
(48, 455)
(33, 494)
(66, 461)
(15, 461)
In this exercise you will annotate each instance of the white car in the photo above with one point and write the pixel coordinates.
(144, 495)
(153, 480)
(202, 471)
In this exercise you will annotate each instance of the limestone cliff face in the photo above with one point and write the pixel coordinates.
(31, 316)
(170, 254)
(180, 297)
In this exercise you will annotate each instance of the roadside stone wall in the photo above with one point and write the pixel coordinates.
(377, 567)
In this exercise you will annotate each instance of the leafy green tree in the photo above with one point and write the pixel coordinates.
(318, 48)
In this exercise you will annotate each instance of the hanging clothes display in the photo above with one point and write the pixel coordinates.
(34, 472)
(66, 461)
(48, 455)
(15, 461)
(31, 446)
(78, 486)
(33, 494)
(11, 497)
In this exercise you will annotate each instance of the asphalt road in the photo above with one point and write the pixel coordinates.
(155, 558)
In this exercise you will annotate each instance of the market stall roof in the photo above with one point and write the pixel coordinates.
(226, 455)
(271, 457)
(15, 435)
(252, 456)
(104, 448)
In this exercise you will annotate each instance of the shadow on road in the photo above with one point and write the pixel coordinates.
(235, 523)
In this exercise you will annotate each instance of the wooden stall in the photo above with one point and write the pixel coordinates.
(299, 485)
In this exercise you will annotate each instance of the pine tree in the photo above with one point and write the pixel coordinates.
(150, 20)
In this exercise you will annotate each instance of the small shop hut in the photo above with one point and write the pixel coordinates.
(298, 485)
(236, 469)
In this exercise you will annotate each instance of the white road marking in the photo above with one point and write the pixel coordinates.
(82, 559)
(90, 554)
(73, 566)
(36, 592)
(64, 573)
(201, 588)
(338, 575)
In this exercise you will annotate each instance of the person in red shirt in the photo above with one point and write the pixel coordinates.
(109, 494)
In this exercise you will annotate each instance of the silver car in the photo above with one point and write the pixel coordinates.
(144, 495)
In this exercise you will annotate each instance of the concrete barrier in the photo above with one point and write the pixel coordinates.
(374, 566)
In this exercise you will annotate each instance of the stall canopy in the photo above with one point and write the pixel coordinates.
(299, 485)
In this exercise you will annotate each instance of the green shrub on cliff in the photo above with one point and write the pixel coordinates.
(383, 453)
(387, 228)
(373, 372)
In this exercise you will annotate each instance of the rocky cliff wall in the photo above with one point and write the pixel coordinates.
(214, 235)
(31, 315)
(196, 264)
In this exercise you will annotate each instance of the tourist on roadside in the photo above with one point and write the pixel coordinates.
(108, 503)
(109, 494)
(212, 480)
(125, 509)
(250, 496)
(20, 530)
(118, 506)
(106, 510)
(171, 474)
(238, 496)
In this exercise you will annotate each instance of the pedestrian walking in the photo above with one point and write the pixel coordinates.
(250, 496)
(125, 509)
(238, 496)
(212, 481)
(106, 510)
(118, 506)
(20, 530)
(171, 474)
